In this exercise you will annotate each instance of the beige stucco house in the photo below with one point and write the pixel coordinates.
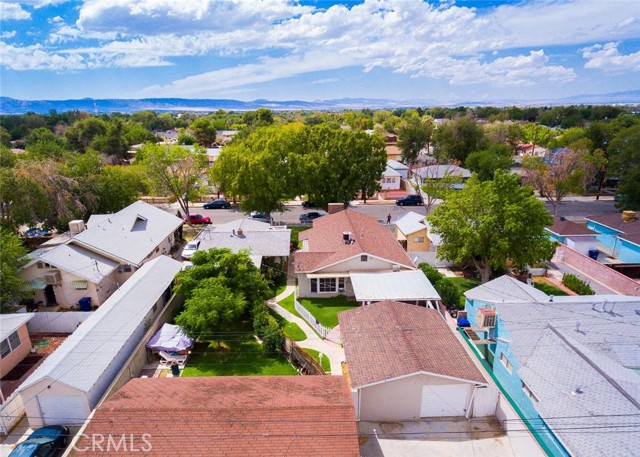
(411, 232)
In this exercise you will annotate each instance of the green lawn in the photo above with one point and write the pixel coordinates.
(288, 304)
(463, 285)
(326, 363)
(326, 309)
(235, 353)
(280, 289)
(549, 289)
(294, 234)
(291, 329)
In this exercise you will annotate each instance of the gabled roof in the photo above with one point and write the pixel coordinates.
(440, 171)
(389, 171)
(411, 222)
(325, 244)
(84, 356)
(408, 285)
(564, 227)
(396, 165)
(388, 340)
(9, 323)
(506, 289)
(80, 262)
(233, 416)
(130, 234)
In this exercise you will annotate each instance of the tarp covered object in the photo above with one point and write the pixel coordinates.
(170, 338)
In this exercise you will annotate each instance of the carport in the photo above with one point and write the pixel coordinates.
(408, 286)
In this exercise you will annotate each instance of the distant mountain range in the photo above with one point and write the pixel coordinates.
(13, 106)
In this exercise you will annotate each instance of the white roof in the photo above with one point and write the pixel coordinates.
(390, 172)
(9, 323)
(433, 236)
(84, 356)
(257, 237)
(411, 222)
(506, 289)
(130, 234)
(96, 219)
(440, 171)
(396, 165)
(80, 262)
(398, 286)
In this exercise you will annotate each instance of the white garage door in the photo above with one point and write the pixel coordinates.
(444, 400)
(67, 410)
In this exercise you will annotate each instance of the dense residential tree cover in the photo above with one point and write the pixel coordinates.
(414, 135)
(624, 155)
(456, 139)
(489, 223)
(12, 257)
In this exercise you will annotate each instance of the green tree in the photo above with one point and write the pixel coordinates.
(12, 257)
(413, 135)
(484, 163)
(112, 142)
(489, 223)
(204, 131)
(624, 154)
(174, 172)
(456, 139)
(81, 134)
(117, 187)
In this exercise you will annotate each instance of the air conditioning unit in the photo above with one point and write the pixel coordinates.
(52, 278)
(77, 226)
(486, 317)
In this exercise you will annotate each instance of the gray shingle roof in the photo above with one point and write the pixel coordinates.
(506, 289)
(85, 355)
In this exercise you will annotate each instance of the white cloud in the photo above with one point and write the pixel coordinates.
(607, 57)
(13, 11)
(41, 3)
(7, 34)
(35, 58)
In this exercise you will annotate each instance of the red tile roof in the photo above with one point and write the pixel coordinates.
(388, 339)
(326, 246)
(569, 228)
(230, 416)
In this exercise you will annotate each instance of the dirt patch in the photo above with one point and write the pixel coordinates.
(22, 368)
(45, 344)
(391, 427)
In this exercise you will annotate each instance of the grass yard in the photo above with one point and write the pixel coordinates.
(236, 353)
(294, 233)
(280, 289)
(547, 288)
(326, 363)
(463, 284)
(326, 309)
(288, 304)
(291, 329)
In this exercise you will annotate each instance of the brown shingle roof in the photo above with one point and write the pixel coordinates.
(569, 228)
(386, 340)
(231, 416)
(326, 247)
(630, 230)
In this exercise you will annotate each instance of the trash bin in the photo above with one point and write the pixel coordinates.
(84, 304)
(593, 253)
(175, 369)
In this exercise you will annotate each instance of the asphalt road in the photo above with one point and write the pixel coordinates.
(574, 208)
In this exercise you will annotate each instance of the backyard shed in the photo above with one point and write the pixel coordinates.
(71, 382)
(405, 363)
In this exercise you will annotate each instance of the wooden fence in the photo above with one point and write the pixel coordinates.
(308, 364)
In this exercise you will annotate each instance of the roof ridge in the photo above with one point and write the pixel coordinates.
(407, 341)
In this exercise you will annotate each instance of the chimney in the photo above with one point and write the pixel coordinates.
(335, 208)
(240, 232)
(628, 216)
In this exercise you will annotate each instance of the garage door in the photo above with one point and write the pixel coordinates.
(63, 410)
(444, 400)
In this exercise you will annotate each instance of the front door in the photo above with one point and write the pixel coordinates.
(50, 296)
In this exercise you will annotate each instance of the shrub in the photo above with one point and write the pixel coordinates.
(449, 293)
(577, 285)
(431, 273)
(267, 328)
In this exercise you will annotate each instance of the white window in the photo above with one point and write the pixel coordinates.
(418, 239)
(327, 285)
(9, 344)
(506, 363)
(529, 393)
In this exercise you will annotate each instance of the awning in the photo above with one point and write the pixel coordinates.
(79, 285)
(38, 284)
(328, 275)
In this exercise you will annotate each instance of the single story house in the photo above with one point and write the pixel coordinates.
(399, 167)
(340, 244)
(570, 363)
(260, 238)
(410, 286)
(577, 236)
(617, 237)
(72, 380)
(15, 343)
(229, 415)
(96, 258)
(438, 171)
(390, 179)
(405, 363)
(414, 233)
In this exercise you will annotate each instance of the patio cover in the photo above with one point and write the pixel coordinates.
(400, 285)
(170, 338)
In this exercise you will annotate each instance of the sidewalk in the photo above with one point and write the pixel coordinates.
(332, 350)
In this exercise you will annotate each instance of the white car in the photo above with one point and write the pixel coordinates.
(190, 249)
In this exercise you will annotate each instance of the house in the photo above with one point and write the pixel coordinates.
(229, 415)
(93, 260)
(576, 236)
(618, 236)
(422, 174)
(72, 380)
(342, 243)
(410, 286)
(529, 149)
(390, 179)
(391, 146)
(414, 234)
(399, 167)
(405, 363)
(260, 238)
(569, 363)
(15, 343)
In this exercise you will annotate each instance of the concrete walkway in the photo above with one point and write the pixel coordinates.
(327, 348)
(559, 268)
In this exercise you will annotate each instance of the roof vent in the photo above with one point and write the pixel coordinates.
(395, 267)
(551, 297)
(346, 237)
(240, 232)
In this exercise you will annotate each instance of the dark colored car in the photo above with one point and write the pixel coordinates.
(308, 204)
(44, 442)
(308, 217)
(409, 200)
(199, 219)
(217, 204)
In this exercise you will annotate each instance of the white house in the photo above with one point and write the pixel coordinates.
(72, 380)
(96, 258)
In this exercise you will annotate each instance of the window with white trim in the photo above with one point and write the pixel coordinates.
(506, 363)
(418, 239)
(529, 393)
(327, 285)
(9, 344)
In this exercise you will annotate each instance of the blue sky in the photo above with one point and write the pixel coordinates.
(443, 52)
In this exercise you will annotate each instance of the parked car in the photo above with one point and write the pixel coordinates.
(43, 442)
(190, 249)
(308, 217)
(217, 204)
(308, 204)
(199, 219)
(414, 200)
(258, 216)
